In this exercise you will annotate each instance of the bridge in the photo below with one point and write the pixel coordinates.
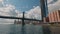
(43, 13)
(9, 17)
(23, 18)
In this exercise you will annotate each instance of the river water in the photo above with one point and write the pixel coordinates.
(18, 29)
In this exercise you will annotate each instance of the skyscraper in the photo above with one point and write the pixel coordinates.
(44, 8)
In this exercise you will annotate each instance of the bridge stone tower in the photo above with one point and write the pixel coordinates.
(23, 19)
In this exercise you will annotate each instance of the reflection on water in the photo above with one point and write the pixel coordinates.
(18, 29)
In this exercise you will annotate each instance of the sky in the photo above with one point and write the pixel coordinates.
(23, 5)
(30, 7)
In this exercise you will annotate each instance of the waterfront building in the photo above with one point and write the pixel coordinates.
(54, 16)
(46, 19)
(17, 22)
(28, 22)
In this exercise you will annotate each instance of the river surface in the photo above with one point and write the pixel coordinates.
(18, 29)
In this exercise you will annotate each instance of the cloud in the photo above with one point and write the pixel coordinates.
(19, 13)
(54, 6)
(1, 0)
(51, 1)
(48, 1)
(34, 13)
(8, 10)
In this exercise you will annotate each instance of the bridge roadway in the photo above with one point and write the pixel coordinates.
(9, 17)
(23, 18)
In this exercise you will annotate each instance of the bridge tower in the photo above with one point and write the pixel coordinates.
(23, 19)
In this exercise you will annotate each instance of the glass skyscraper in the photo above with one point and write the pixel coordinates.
(44, 8)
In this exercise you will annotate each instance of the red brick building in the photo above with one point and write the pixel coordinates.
(54, 16)
(46, 19)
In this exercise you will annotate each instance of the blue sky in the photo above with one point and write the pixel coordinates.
(24, 5)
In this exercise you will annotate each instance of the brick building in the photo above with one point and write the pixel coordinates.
(54, 16)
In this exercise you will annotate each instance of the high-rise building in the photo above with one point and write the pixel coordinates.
(44, 8)
(17, 22)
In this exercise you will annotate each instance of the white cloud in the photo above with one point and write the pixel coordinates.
(54, 6)
(19, 13)
(8, 10)
(49, 1)
(34, 13)
(1, 0)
